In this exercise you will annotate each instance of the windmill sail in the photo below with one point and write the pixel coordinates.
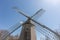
(47, 33)
(11, 30)
(38, 14)
(19, 11)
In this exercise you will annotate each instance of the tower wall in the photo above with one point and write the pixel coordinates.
(28, 32)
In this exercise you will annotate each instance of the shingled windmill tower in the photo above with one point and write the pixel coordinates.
(28, 32)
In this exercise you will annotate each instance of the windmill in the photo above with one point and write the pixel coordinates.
(28, 32)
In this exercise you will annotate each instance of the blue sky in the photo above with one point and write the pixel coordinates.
(50, 18)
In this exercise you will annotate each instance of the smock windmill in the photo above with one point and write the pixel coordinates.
(28, 32)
